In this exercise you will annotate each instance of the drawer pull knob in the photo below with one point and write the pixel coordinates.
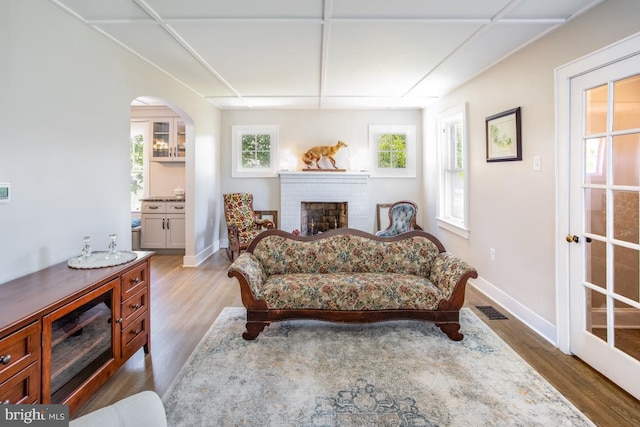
(135, 332)
(119, 321)
(135, 306)
(6, 402)
(135, 280)
(5, 359)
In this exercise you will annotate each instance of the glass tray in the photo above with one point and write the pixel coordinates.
(102, 259)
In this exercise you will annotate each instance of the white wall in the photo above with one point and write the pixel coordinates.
(299, 130)
(64, 145)
(512, 207)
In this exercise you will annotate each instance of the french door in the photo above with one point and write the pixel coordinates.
(604, 216)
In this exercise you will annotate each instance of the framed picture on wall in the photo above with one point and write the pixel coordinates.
(503, 131)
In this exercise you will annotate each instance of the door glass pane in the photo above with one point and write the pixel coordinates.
(596, 110)
(626, 159)
(625, 272)
(596, 314)
(595, 162)
(627, 329)
(160, 139)
(626, 103)
(625, 216)
(181, 139)
(596, 263)
(595, 203)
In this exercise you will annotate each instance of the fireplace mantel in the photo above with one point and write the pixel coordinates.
(350, 187)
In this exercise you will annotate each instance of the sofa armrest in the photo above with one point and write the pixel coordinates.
(144, 408)
(249, 272)
(450, 274)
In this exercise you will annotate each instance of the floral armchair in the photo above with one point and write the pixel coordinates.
(242, 223)
(402, 218)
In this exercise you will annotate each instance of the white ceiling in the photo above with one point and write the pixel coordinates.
(324, 53)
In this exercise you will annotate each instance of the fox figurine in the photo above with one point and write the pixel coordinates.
(315, 154)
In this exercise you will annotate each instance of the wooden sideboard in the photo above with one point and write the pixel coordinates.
(64, 332)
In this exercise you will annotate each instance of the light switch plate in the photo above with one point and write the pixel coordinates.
(537, 163)
(5, 192)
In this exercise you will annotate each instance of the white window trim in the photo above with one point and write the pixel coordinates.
(237, 170)
(460, 228)
(410, 170)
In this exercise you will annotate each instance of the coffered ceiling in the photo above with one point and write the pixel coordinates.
(323, 53)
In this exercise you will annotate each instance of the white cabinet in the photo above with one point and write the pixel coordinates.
(168, 142)
(163, 225)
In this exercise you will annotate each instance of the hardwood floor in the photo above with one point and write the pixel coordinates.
(186, 301)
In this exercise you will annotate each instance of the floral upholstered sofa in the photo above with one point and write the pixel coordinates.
(347, 275)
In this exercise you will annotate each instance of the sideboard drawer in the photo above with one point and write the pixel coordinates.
(135, 335)
(19, 350)
(24, 387)
(134, 280)
(134, 306)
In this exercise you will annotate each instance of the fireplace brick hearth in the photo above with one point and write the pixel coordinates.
(328, 187)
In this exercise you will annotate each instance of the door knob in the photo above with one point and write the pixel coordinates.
(572, 239)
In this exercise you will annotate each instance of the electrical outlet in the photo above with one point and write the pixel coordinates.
(492, 254)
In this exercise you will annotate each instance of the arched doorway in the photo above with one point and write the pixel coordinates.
(162, 135)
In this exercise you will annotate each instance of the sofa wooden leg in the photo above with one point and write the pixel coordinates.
(254, 329)
(451, 329)
(230, 254)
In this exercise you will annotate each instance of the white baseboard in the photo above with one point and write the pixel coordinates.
(194, 261)
(541, 326)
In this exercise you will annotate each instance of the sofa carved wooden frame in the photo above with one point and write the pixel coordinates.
(446, 317)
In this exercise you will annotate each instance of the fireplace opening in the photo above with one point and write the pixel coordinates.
(318, 217)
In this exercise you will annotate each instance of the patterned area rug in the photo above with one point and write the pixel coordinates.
(403, 373)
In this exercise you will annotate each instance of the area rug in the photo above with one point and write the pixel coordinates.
(401, 373)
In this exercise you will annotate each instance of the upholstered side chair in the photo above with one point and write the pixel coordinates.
(402, 218)
(242, 224)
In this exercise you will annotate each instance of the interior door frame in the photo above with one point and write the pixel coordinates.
(601, 58)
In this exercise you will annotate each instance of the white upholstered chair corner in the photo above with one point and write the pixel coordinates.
(141, 409)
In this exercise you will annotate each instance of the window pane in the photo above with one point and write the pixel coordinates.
(392, 151)
(595, 161)
(596, 110)
(248, 142)
(399, 160)
(625, 216)
(384, 160)
(626, 159)
(137, 175)
(457, 142)
(626, 267)
(263, 159)
(455, 193)
(626, 332)
(626, 103)
(384, 142)
(596, 263)
(595, 203)
(264, 142)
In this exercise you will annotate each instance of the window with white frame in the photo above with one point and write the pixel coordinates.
(255, 151)
(393, 149)
(453, 209)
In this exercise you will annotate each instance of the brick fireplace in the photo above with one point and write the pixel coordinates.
(327, 193)
(318, 217)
